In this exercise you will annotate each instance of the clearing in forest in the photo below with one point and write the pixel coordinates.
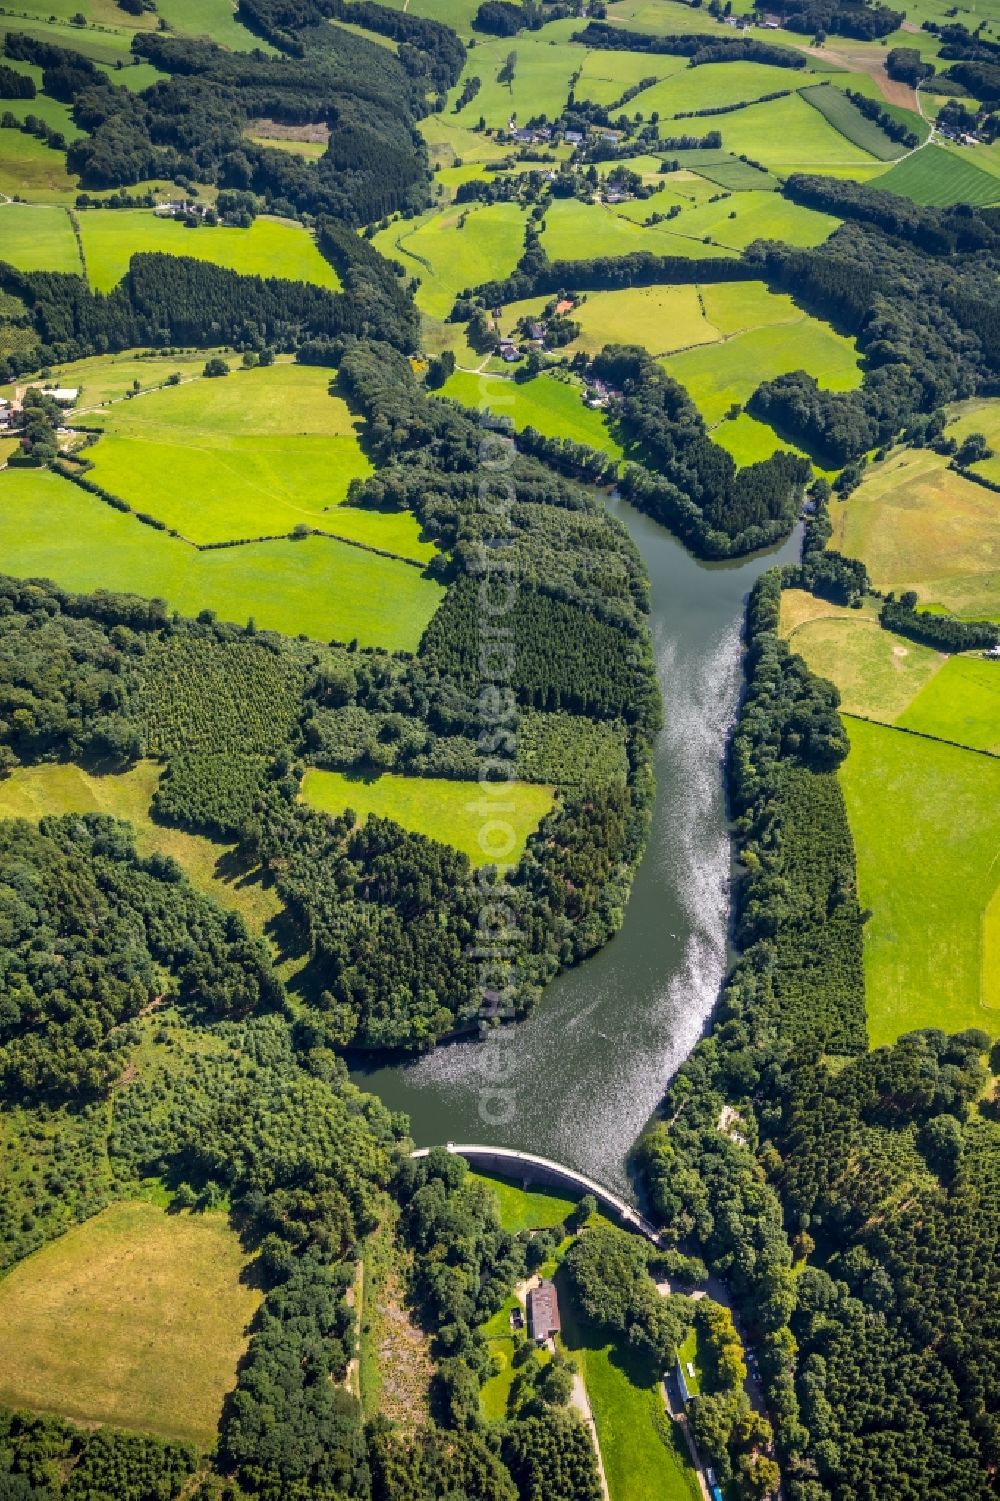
(925, 818)
(137, 1318)
(254, 454)
(453, 812)
(317, 586)
(31, 169)
(50, 789)
(270, 247)
(918, 525)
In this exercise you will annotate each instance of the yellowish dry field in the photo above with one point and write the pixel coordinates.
(137, 1318)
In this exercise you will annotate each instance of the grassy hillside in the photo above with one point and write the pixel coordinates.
(137, 1318)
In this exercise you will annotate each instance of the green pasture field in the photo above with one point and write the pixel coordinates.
(937, 177)
(734, 306)
(103, 13)
(867, 84)
(448, 142)
(52, 111)
(137, 1318)
(710, 85)
(926, 824)
(251, 455)
(553, 407)
(525, 1208)
(270, 247)
(737, 220)
(499, 1337)
(878, 673)
(214, 19)
(738, 177)
(546, 61)
(135, 76)
(960, 703)
(448, 259)
(660, 318)
(457, 14)
(321, 587)
(107, 377)
(30, 169)
(644, 1454)
(453, 812)
(574, 230)
(35, 792)
(980, 416)
(729, 371)
(104, 45)
(689, 1351)
(844, 115)
(787, 135)
(606, 75)
(37, 237)
(748, 440)
(916, 524)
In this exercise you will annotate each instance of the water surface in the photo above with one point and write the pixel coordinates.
(589, 1067)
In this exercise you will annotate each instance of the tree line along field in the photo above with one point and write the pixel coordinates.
(38, 237)
(317, 586)
(919, 525)
(455, 812)
(981, 416)
(270, 247)
(185, 455)
(137, 1318)
(109, 377)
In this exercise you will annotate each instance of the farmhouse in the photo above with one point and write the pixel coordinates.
(64, 395)
(543, 1312)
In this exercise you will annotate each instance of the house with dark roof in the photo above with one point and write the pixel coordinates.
(543, 1312)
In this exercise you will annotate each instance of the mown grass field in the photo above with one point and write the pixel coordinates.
(878, 673)
(136, 1318)
(36, 237)
(605, 76)
(643, 1450)
(454, 249)
(448, 141)
(33, 792)
(936, 177)
(552, 407)
(926, 824)
(184, 455)
(729, 371)
(748, 440)
(919, 525)
(453, 812)
(844, 115)
(318, 586)
(270, 247)
(960, 703)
